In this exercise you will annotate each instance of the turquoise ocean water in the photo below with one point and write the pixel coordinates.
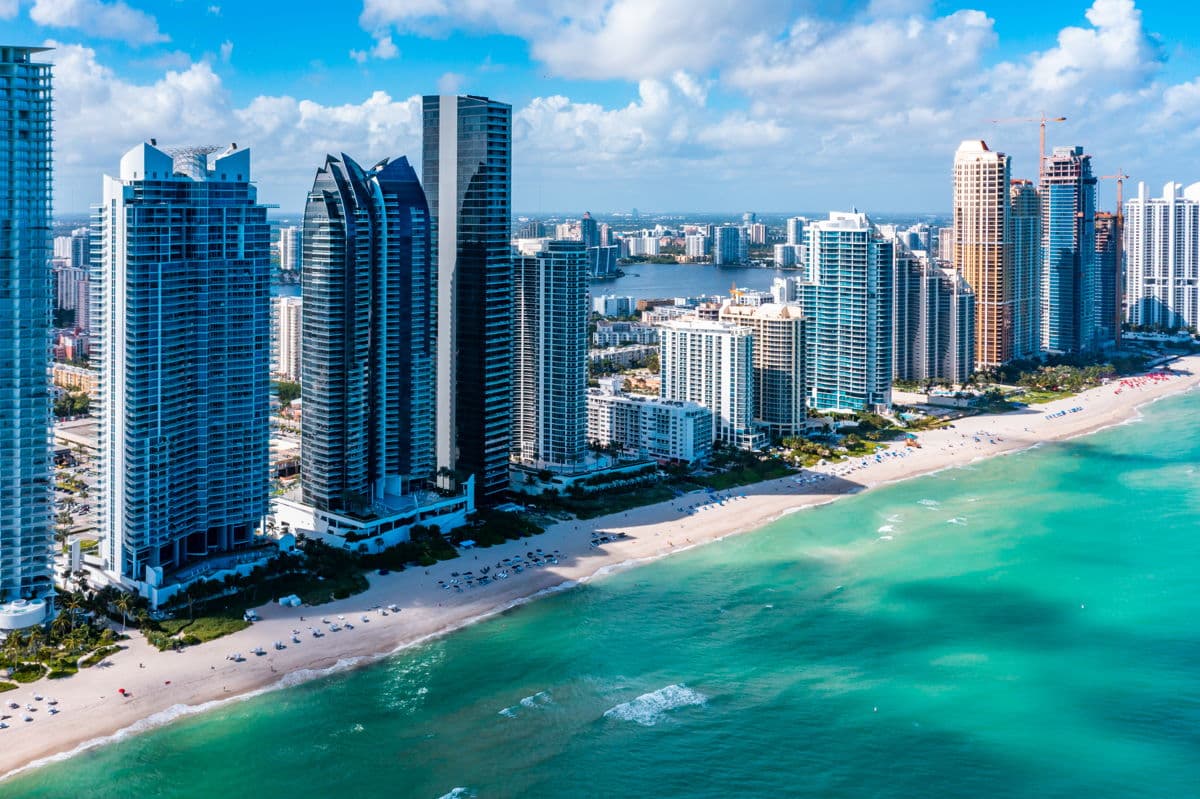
(1031, 629)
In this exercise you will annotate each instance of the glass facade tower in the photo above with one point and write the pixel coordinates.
(1070, 283)
(182, 320)
(467, 174)
(367, 372)
(25, 170)
(850, 307)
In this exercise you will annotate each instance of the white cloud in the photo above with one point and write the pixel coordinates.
(9, 8)
(1114, 53)
(450, 83)
(630, 39)
(101, 115)
(384, 49)
(895, 63)
(898, 85)
(214, 10)
(226, 50)
(737, 132)
(692, 88)
(114, 20)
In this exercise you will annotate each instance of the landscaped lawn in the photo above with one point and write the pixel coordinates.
(28, 672)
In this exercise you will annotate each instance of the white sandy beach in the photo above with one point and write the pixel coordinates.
(162, 686)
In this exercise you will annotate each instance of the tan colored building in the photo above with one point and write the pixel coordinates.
(74, 377)
(780, 366)
(982, 247)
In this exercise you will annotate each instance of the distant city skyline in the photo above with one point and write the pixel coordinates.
(632, 104)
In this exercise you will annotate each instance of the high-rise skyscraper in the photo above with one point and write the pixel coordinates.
(589, 230)
(1162, 257)
(849, 304)
(795, 230)
(1025, 223)
(288, 339)
(467, 175)
(25, 164)
(712, 364)
(1108, 320)
(550, 350)
(291, 246)
(182, 328)
(367, 372)
(780, 364)
(982, 246)
(934, 329)
(729, 245)
(1070, 285)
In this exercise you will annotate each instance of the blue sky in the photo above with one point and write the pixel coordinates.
(658, 104)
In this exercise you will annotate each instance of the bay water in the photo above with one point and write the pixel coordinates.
(1028, 626)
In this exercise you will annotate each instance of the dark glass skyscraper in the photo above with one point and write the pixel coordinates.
(467, 177)
(25, 164)
(1070, 284)
(368, 332)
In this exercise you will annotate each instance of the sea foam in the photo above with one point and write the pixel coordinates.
(649, 709)
(538, 699)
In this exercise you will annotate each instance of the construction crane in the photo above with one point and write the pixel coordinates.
(1119, 248)
(1042, 120)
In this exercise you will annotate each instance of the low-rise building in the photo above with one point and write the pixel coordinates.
(388, 522)
(623, 357)
(612, 305)
(619, 334)
(650, 427)
(76, 378)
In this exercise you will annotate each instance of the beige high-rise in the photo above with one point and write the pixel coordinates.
(982, 250)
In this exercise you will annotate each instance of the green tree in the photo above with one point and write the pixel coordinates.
(287, 391)
(123, 605)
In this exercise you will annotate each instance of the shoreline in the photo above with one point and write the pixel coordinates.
(165, 686)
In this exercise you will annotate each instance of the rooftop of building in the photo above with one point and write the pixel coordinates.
(147, 161)
(768, 310)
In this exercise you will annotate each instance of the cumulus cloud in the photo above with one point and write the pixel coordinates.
(1114, 53)
(450, 83)
(101, 115)
(631, 39)
(114, 20)
(9, 8)
(383, 50)
(895, 63)
(905, 85)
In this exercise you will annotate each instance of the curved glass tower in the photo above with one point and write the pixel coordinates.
(368, 330)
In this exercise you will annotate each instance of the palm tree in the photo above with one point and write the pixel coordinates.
(61, 622)
(34, 642)
(124, 605)
(13, 646)
(72, 605)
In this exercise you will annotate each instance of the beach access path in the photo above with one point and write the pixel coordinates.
(161, 686)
